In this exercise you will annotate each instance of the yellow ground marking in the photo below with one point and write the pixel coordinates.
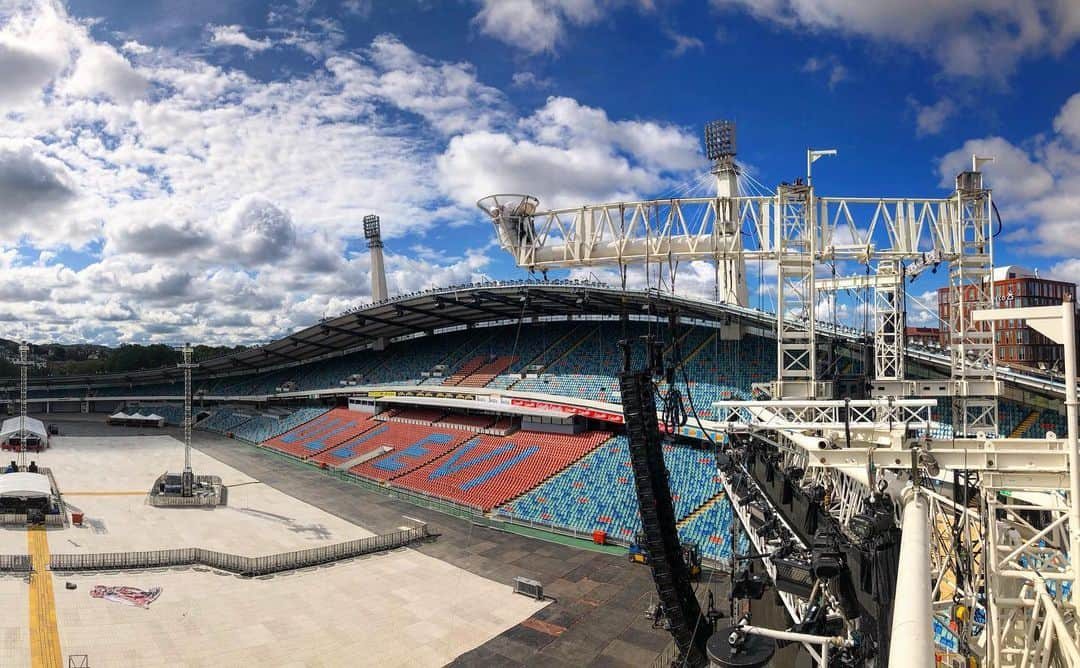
(44, 637)
(123, 493)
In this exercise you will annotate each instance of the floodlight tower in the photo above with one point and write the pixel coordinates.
(730, 264)
(24, 365)
(187, 482)
(378, 272)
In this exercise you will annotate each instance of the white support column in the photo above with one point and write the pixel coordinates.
(731, 263)
(912, 635)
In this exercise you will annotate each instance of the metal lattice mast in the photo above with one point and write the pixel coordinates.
(796, 357)
(187, 365)
(24, 364)
(972, 348)
(889, 323)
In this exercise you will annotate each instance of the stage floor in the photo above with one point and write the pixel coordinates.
(398, 608)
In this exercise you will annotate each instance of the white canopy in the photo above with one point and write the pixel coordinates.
(24, 485)
(119, 415)
(154, 416)
(34, 427)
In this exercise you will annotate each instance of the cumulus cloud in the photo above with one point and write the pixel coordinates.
(1035, 184)
(32, 187)
(153, 195)
(568, 154)
(967, 38)
(102, 70)
(234, 35)
(930, 119)
(534, 26)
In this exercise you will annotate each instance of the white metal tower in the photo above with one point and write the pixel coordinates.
(188, 476)
(24, 367)
(373, 234)
(729, 261)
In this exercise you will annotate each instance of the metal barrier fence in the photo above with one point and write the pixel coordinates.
(15, 563)
(20, 520)
(668, 657)
(233, 563)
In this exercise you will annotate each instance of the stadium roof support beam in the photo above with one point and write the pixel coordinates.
(267, 352)
(472, 305)
(238, 362)
(303, 342)
(516, 303)
(570, 303)
(392, 323)
(432, 314)
(341, 330)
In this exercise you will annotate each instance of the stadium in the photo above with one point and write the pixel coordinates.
(493, 410)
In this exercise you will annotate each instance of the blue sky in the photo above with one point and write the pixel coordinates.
(201, 174)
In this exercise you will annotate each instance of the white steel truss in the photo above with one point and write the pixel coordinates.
(971, 344)
(889, 323)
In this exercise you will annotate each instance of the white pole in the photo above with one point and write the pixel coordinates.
(1068, 320)
(912, 639)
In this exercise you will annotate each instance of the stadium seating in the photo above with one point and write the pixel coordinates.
(322, 432)
(224, 420)
(711, 530)
(463, 421)
(393, 435)
(487, 470)
(264, 427)
(464, 371)
(413, 446)
(413, 415)
(597, 493)
(486, 373)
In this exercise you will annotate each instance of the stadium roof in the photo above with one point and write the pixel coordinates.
(428, 312)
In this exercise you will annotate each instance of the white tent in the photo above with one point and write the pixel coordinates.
(24, 485)
(155, 420)
(137, 419)
(35, 429)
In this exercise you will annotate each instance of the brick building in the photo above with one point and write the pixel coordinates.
(1016, 342)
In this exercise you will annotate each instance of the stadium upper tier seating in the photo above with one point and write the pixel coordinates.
(573, 359)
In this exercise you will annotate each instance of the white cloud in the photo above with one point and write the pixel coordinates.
(234, 35)
(32, 188)
(534, 26)
(1036, 184)
(683, 43)
(1066, 270)
(930, 119)
(569, 154)
(361, 8)
(202, 203)
(831, 65)
(1067, 122)
(530, 80)
(967, 38)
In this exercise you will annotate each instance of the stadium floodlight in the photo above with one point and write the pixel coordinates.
(719, 139)
(371, 227)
